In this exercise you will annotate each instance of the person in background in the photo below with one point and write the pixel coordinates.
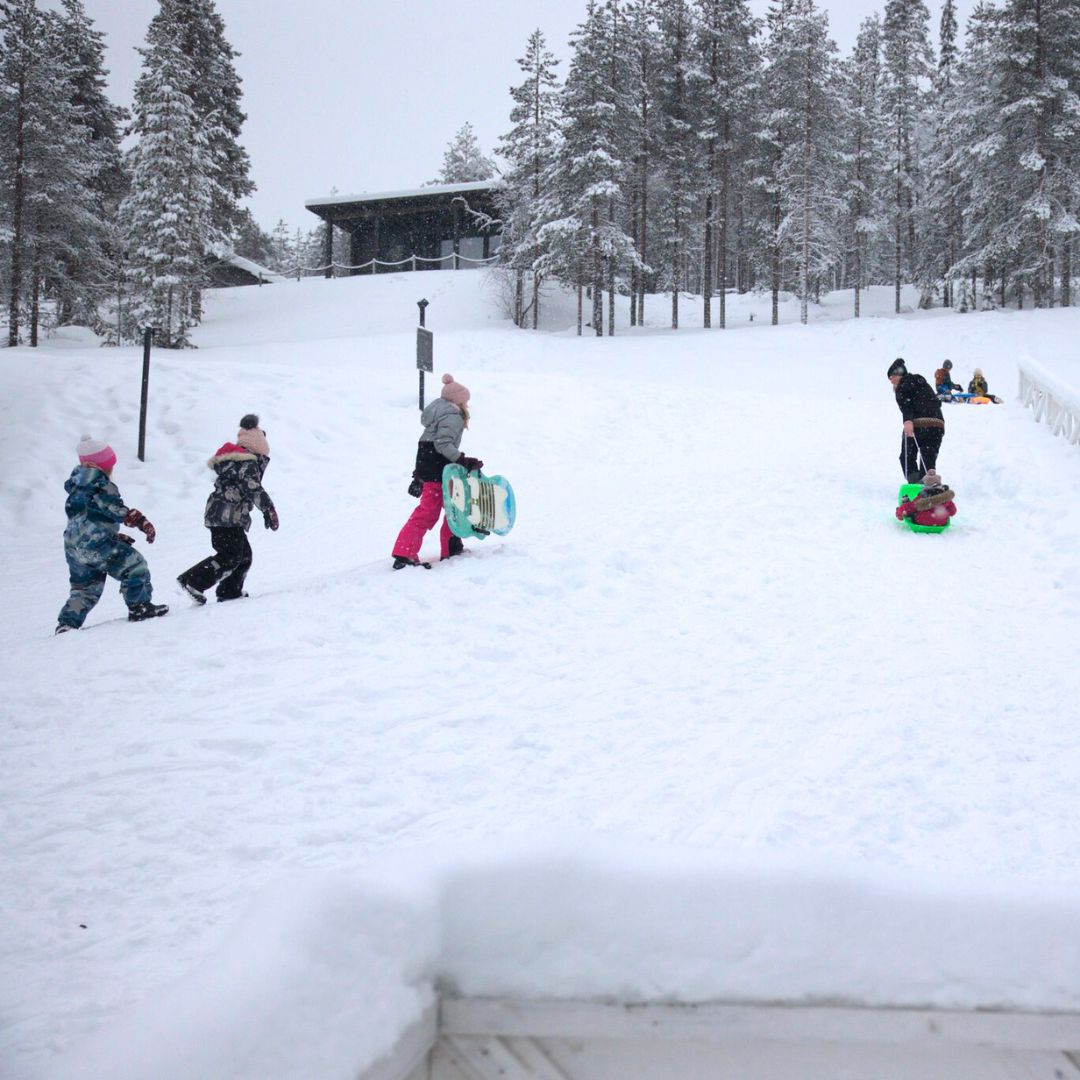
(924, 426)
(238, 487)
(445, 421)
(95, 548)
(978, 386)
(943, 379)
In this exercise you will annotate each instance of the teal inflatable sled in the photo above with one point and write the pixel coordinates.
(477, 505)
(910, 491)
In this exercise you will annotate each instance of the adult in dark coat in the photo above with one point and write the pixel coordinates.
(924, 426)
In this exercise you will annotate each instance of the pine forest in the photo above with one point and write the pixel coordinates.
(687, 150)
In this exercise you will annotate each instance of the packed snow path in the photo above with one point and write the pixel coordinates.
(706, 629)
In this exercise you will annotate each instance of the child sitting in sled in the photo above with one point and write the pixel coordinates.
(933, 506)
(943, 379)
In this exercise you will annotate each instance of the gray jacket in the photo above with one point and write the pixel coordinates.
(444, 425)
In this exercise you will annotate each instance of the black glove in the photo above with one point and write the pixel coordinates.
(471, 464)
(416, 488)
(125, 539)
(270, 518)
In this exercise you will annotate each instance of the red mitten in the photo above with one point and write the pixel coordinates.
(270, 518)
(134, 518)
(147, 530)
(125, 539)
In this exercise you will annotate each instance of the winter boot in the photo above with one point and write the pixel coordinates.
(400, 562)
(455, 546)
(139, 612)
(226, 599)
(63, 629)
(191, 591)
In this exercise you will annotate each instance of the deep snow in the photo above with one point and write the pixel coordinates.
(707, 668)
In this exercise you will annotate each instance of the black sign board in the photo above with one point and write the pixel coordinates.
(425, 352)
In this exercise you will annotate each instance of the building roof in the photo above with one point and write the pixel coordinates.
(408, 193)
(225, 254)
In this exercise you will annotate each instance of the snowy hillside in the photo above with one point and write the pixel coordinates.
(707, 670)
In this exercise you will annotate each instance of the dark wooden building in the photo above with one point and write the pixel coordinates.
(445, 226)
(225, 268)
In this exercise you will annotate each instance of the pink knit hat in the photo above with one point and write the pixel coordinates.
(95, 452)
(454, 392)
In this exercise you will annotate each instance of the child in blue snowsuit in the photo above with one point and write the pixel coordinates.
(93, 544)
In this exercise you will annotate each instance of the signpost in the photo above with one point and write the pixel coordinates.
(148, 337)
(425, 355)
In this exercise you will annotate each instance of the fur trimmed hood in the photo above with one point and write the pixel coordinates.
(229, 452)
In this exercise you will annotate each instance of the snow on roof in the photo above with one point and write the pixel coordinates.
(226, 255)
(431, 189)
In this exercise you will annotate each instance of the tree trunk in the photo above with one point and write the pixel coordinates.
(1066, 272)
(18, 196)
(35, 297)
(580, 303)
(597, 273)
(707, 275)
(519, 297)
(804, 270)
(725, 194)
(776, 260)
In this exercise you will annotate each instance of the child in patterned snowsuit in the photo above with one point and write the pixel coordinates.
(444, 420)
(95, 548)
(238, 487)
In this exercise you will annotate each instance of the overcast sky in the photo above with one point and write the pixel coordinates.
(363, 95)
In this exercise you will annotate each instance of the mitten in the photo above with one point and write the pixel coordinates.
(270, 518)
(125, 539)
(472, 464)
(416, 488)
(133, 518)
(147, 530)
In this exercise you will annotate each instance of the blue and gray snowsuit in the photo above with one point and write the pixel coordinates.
(93, 549)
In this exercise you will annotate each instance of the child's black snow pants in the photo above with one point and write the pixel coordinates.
(227, 568)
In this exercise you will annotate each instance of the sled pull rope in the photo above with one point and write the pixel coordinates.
(922, 456)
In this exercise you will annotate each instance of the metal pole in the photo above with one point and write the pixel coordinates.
(148, 337)
(422, 305)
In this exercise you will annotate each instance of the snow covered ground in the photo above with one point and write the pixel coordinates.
(708, 719)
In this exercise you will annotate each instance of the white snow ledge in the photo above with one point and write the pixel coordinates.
(604, 960)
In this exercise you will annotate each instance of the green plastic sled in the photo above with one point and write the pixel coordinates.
(911, 491)
(477, 505)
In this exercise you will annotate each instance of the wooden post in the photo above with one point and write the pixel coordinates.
(457, 231)
(328, 250)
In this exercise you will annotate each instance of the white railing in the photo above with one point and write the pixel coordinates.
(506, 1039)
(1053, 403)
(456, 261)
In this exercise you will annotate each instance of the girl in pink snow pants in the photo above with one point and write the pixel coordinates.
(445, 421)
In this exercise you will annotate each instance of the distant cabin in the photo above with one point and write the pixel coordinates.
(442, 227)
(225, 268)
